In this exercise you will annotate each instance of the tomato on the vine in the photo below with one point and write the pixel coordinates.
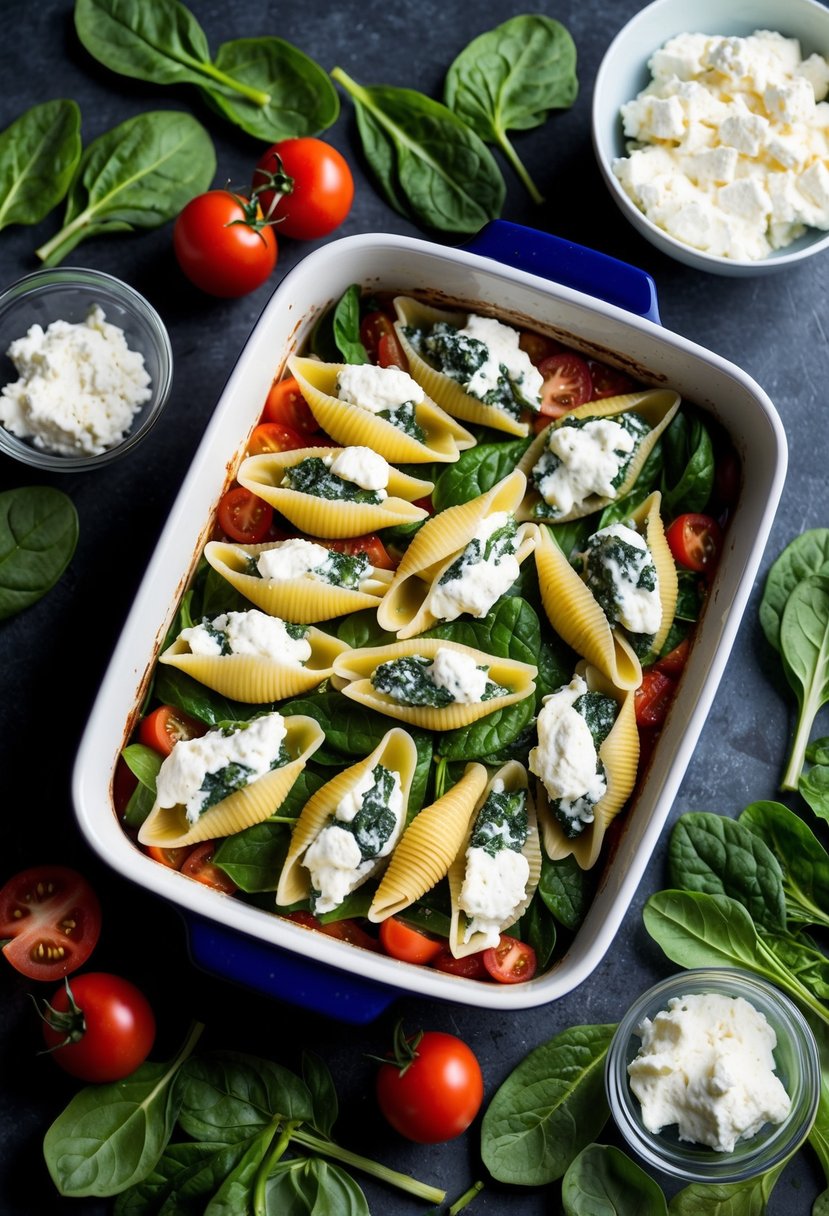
(244, 517)
(166, 726)
(285, 404)
(432, 1088)
(695, 542)
(407, 943)
(274, 437)
(511, 961)
(101, 1028)
(223, 244)
(305, 186)
(53, 920)
(567, 383)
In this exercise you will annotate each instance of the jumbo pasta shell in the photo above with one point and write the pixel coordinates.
(441, 388)
(428, 846)
(168, 827)
(648, 519)
(301, 600)
(395, 751)
(620, 755)
(255, 679)
(444, 438)
(514, 777)
(332, 519)
(355, 669)
(436, 546)
(657, 406)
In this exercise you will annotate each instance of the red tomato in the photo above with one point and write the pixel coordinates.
(244, 517)
(166, 726)
(653, 698)
(695, 542)
(407, 943)
(100, 1030)
(379, 337)
(567, 383)
(471, 967)
(223, 244)
(286, 404)
(343, 930)
(538, 346)
(673, 663)
(511, 961)
(124, 782)
(609, 381)
(370, 544)
(311, 187)
(53, 918)
(198, 864)
(172, 858)
(274, 437)
(433, 1088)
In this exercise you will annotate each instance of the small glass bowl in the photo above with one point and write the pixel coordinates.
(67, 293)
(798, 1067)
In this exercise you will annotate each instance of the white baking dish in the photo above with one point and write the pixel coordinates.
(250, 945)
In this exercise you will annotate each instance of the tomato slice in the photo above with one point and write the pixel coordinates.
(370, 544)
(285, 404)
(653, 697)
(609, 381)
(344, 930)
(695, 542)
(374, 326)
(538, 346)
(244, 517)
(166, 726)
(471, 967)
(567, 383)
(275, 437)
(199, 865)
(407, 943)
(172, 858)
(511, 961)
(390, 353)
(673, 663)
(53, 918)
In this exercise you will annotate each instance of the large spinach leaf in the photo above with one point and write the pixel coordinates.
(38, 535)
(803, 860)
(807, 554)
(814, 788)
(510, 630)
(476, 471)
(430, 165)
(603, 1181)
(309, 1187)
(228, 1096)
(187, 1173)
(548, 1109)
(38, 155)
(566, 889)
(144, 763)
(510, 78)
(748, 1198)
(137, 175)
(804, 646)
(345, 323)
(489, 736)
(688, 465)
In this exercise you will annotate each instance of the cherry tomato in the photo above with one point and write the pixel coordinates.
(343, 930)
(538, 346)
(286, 404)
(172, 858)
(166, 726)
(124, 782)
(567, 383)
(695, 542)
(99, 1029)
(653, 697)
(673, 663)
(223, 244)
(432, 1089)
(244, 517)
(370, 544)
(511, 961)
(53, 918)
(407, 943)
(608, 381)
(198, 864)
(312, 187)
(274, 437)
(471, 967)
(378, 336)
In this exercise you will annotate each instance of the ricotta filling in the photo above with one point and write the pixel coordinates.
(479, 580)
(566, 759)
(622, 574)
(251, 633)
(459, 675)
(503, 352)
(363, 467)
(496, 873)
(588, 460)
(297, 558)
(377, 388)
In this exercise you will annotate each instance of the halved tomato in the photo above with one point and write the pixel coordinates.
(198, 864)
(653, 697)
(370, 544)
(166, 726)
(567, 383)
(285, 404)
(344, 930)
(52, 918)
(244, 517)
(378, 336)
(511, 961)
(695, 542)
(172, 858)
(471, 967)
(673, 663)
(275, 437)
(407, 943)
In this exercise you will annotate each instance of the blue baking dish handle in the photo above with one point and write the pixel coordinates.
(231, 955)
(571, 265)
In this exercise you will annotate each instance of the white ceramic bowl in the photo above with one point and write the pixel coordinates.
(623, 73)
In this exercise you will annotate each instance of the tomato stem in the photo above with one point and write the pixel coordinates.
(404, 1182)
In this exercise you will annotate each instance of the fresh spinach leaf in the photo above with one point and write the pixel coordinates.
(748, 1198)
(476, 471)
(236, 1189)
(350, 730)
(488, 736)
(509, 630)
(818, 751)
(361, 629)
(803, 860)
(186, 1174)
(603, 1181)
(38, 535)
(538, 929)
(346, 323)
(566, 889)
(556, 661)
(814, 788)
(423, 768)
(802, 957)
(39, 152)
(510, 78)
(431, 166)
(174, 687)
(307, 1186)
(144, 763)
(548, 1109)
(804, 647)
(807, 554)
(137, 175)
(320, 1086)
(228, 1096)
(688, 464)
(572, 537)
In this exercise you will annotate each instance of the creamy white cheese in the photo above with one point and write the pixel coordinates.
(252, 633)
(79, 388)
(362, 466)
(480, 583)
(729, 144)
(492, 888)
(502, 348)
(255, 744)
(377, 388)
(294, 558)
(590, 457)
(707, 1065)
(458, 674)
(565, 758)
(638, 609)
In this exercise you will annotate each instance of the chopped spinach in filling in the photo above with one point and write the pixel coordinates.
(403, 417)
(634, 424)
(494, 549)
(460, 356)
(599, 713)
(345, 570)
(502, 823)
(608, 560)
(312, 476)
(374, 823)
(234, 776)
(407, 681)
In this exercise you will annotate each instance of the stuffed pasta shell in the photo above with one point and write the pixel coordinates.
(461, 561)
(431, 683)
(592, 455)
(494, 876)
(298, 579)
(382, 408)
(470, 365)
(228, 779)
(254, 657)
(335, 492)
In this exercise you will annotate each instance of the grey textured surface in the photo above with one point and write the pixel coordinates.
(54, 654)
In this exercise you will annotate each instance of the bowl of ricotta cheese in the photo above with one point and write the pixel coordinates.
(86, 369)
(713, 1075)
